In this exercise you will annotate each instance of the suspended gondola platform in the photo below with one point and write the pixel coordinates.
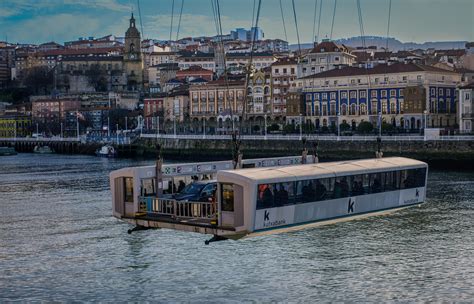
(266, 196)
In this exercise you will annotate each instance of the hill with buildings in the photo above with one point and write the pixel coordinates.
(393, 43)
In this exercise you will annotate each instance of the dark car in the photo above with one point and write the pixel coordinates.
(200, 191)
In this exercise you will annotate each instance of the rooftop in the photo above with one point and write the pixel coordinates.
(378, 69)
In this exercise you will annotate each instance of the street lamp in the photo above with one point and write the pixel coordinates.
(265, 126)
(174, 126)
(338, 126)
(204, 127)
(77, 125)
(301, 126)
(380, 124)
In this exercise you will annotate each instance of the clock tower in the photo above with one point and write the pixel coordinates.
(132, 57)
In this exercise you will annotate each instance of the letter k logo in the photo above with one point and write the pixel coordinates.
(350, 206)
(266, 216)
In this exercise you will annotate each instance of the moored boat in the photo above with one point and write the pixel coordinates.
(43, 150)
(106, 151)
(6, 151)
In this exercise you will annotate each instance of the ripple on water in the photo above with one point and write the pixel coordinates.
(59, 242)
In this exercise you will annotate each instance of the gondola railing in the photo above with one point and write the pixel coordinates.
(178, 209)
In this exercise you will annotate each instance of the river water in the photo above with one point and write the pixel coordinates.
(59, 242)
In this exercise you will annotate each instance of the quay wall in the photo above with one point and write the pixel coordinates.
(449, 154)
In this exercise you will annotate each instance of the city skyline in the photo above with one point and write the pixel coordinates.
(29, 22)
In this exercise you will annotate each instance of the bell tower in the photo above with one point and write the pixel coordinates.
(132, 57)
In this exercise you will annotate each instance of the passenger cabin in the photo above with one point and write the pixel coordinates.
(263, 199)
(270, 198)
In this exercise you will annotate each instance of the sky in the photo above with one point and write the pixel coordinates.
(38, 21)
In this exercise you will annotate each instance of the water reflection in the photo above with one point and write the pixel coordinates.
(59, 242)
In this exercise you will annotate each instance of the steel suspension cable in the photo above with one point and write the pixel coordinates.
(319, 18)
(140, 16)
(333, 17)
(172, 16)
(314, 19)
(283, 20)
(179, 20)
(296, 26)
(388, 23)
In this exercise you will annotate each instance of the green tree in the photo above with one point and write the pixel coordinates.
(365, 127)
(39, 80)
(344, 127)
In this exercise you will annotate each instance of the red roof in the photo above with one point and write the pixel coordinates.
(329, 46)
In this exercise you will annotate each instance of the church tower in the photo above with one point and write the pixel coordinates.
(132, 57)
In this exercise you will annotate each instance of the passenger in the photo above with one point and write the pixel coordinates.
(181, 186)
(320, 190)
(267, 198)
(337, 190)
(344, 187)
(308, 192)
(376, 186)
(283, 196)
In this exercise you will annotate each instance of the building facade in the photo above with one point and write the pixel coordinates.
(325, 56)
(284, 73)
(466, 108)
(217, 101)
(132, 57)
(408, 96)
(15, 125)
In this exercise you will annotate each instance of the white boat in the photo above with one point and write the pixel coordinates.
(5, 151)
(43, 150)
(258, 201)
(106, 151)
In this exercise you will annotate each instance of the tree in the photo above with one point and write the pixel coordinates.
(344, 127)
(39, 80)
(289, 128)
(365, 127)
(273, 127)
(387, 127)
(97, 78)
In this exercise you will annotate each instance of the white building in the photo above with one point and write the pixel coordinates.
(466, 108)
(325, 56)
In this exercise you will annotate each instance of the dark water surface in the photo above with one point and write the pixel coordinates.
(59, 242)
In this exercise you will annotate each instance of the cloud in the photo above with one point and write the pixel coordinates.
(58, 27)
(113, 5)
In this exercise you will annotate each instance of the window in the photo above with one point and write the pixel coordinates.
(325, 96)
(353, 81)
(277, 71)
(376, 80)
(353, 94)
(433, 91)
(440, 91)
(385, 79)
(128, 189)
(227, 197)
(362, 94)
(448, 92)
(404, 78)
(373, 94)
(336, 58)
(418, 77)
(384, 93)
(343, 94)
(333, 95)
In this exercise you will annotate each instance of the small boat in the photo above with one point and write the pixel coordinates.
(43, 150)
(5, 151)
(106, 151)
